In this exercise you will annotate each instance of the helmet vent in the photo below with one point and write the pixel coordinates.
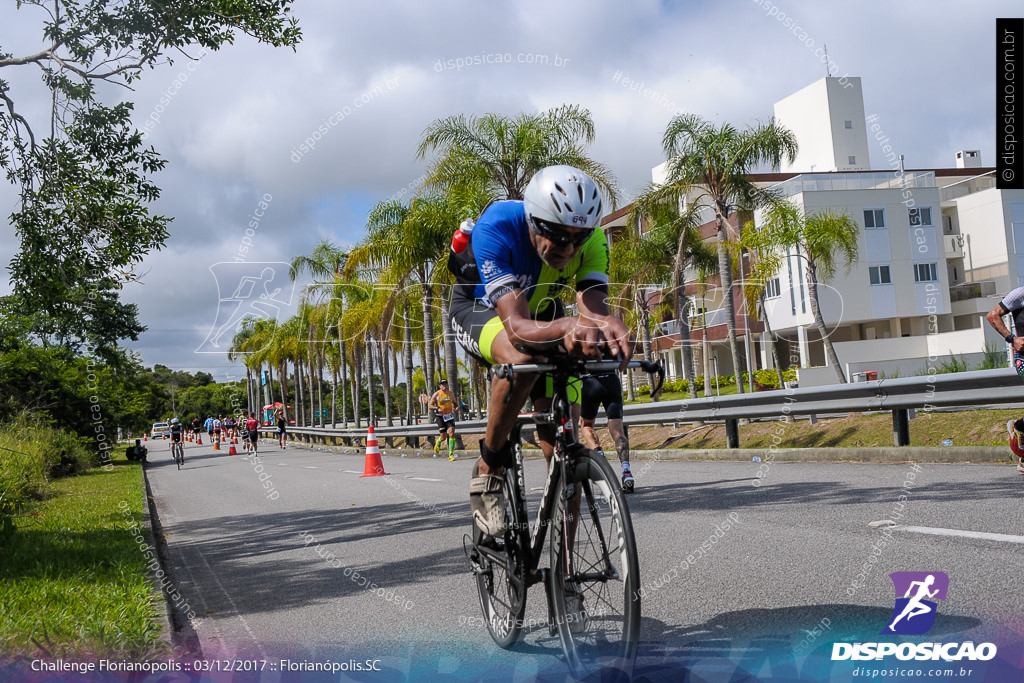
(554, 201)
(579, 189)
(559, 188)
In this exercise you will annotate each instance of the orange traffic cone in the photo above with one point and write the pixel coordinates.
(216, 444)
(234, 440)
(232, 450)
(374, 467)
(144, 438)
(200, 441)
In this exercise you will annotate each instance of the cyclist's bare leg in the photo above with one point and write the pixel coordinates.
(506, 399)
(589, 435)
(619, 438)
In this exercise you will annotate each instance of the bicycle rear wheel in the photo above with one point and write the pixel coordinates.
(501, 582)
(179, 454)
(599, 564)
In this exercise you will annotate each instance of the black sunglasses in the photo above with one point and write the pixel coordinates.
(558, 235)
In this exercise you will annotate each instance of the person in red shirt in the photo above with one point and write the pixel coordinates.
(252, 434)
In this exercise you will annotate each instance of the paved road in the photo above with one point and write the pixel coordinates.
(270, 571)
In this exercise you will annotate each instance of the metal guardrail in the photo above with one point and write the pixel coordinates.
(900, 395)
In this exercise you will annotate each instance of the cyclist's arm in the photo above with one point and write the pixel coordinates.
(995, 318)
(432, 403)
(597, 322)
(514, 310)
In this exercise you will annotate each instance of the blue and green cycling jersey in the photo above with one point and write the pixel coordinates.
(506, 260)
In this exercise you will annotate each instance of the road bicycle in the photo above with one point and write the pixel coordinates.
(593, 582)
(178, 451)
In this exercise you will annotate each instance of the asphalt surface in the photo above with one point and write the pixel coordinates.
(270, 572)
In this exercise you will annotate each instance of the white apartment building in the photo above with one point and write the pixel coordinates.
(937, 250)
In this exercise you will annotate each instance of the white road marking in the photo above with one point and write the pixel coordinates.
(424, 479)
(352, 471)
(982, 535)
(310, 467)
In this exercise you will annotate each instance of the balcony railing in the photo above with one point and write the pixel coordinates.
(818, 182)
(972, 290)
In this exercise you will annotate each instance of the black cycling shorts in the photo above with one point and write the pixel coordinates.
(476, 327)
(601, 390)
(442, 424)
(254, 435)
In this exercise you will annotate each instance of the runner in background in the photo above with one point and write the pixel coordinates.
(443, 402)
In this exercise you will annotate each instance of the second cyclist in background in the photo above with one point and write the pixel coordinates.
(606, 390)
(177, 434)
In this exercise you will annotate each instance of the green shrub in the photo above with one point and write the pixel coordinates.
(31, 454)
(995, 357)
(767, 377)
(952, 364)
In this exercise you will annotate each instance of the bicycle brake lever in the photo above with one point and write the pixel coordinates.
(654, 367)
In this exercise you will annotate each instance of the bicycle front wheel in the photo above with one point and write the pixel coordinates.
(595, 572)
(500, 578)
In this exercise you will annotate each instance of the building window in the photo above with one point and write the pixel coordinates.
(925, 272)
(852, 159)
(772, 289)
(874, 218)
(921, 215)
(879, 275)
(848, 124)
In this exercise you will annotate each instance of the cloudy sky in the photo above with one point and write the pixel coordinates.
(368, 77)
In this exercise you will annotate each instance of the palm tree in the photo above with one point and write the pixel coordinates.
(662, 254)
(500, 153)
(711, 166)
(766, 259)
(240, 349)
(826, 241)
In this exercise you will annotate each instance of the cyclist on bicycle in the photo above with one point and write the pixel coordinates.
(606, 389)
(177, 432)
(505, 299)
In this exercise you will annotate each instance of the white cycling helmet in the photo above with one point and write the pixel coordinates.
(562, 196)
(174, 421)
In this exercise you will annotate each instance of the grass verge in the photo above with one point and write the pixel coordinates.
(73, 581)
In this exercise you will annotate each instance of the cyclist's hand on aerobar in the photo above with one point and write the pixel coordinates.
(599, 339)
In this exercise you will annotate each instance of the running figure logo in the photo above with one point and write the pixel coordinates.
(245, 290)
(914, 612)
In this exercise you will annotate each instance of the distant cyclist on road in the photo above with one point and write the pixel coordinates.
(1013, 304)
(606, 389)
(507, 283)
(443, 403)
(177, 433)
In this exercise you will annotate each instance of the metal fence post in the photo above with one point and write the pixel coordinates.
(900, 428)
(732, 434)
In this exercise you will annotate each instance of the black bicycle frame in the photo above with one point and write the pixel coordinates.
(561, 417)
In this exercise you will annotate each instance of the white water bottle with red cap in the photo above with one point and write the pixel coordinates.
(462, 236)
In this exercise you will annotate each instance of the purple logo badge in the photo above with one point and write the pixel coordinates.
(914, 612)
